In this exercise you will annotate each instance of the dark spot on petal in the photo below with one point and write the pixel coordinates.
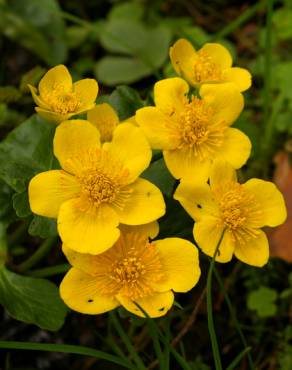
(199, 206)
(161, 309)
(148, 194)
(90, 300)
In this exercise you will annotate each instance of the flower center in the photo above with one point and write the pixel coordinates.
(62, 101)
(98, 187)
(205, 69)
(133, 267)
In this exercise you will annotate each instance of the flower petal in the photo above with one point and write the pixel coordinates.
(53, 116)
(239, 76)
(235, 148)
(271, 202)
(105, 119)
(87, 231)
(82, 261)
(196, 199)
(219, 54)
(225, 100)
(158, 128)
(79, 291)
(130, 146)
(155, 305)
(254, 251)
(145, 204)
(37, 99)
(180, 261)
(207, 234)
(73, 139)
(183, 55)
(57, 76)
(184, 163)
(150, 229)
(221, 172)
(48, 190)
(86, 91)
(170, 95)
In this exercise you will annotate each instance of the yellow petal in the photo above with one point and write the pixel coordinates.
(131, 120)
(158, 128)
(82, 261)
(271, 202)
(150, 229)
(207, 234)
(87, 231)
(184, 163)
(180, 261)
(170, 95)
(221, 172)
(183, 55)
(37, 99)
(239, 76)
(48, 190)
(196, 199)
(79, 291)
(86, 91)
(219, 54)
(57, 76)
(235, 148)
(155, 305)
(145, 204)
(105, 119)
(53, 116)
(254, 251)
(73, 139)
(130, 146)
(225, 100)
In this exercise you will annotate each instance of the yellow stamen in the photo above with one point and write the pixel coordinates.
(61, 101)
(205, 69)
(129, 268)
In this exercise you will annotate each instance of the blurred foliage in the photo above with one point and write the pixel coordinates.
(126, 42)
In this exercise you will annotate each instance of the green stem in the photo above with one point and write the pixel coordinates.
(18, 234)
(49, 271)
(123, 335)
(244, 17)
(234, 318)
(65, 348)
(41, 252)
(211, 327)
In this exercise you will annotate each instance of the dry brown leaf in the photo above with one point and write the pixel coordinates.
(281, 237)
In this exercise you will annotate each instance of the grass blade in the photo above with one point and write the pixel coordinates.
(238, 358)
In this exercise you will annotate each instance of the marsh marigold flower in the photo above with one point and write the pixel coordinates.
(58, 99)
(134, 270)
(239, 209)
(104, 117)
(192, 132)
(99, 186)
(211, 64)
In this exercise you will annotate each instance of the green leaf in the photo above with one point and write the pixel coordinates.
(21, 204)
(43, 227)
(283, 78)
(159, 175)
(116, 70)
(34, 301)
(262, 301)
(127, 10)
(26, 151)
(282, 19)
(283, 123)
(147, 46)
(125, 101)
(7, 214)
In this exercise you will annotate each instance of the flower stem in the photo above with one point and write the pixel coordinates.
(42, 251)
(211, 327)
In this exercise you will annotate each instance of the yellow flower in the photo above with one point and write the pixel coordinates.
(211, 64)
(241, 209)
(98, 188)
(134, 270)
(59, 98)
(193, 132)
(104, 117)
